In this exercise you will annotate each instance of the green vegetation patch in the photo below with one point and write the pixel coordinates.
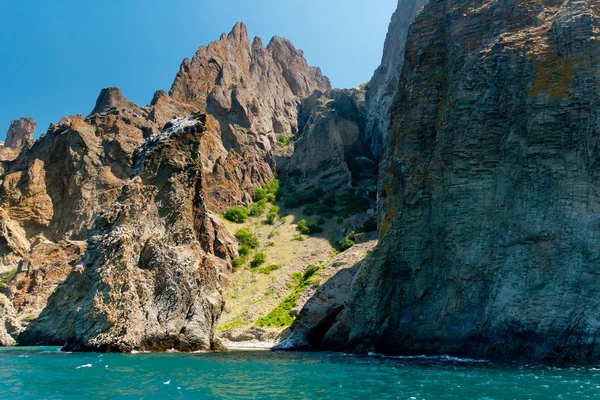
(6, 277)
(280, 315)
(229, 326)
(268, 269)
(258, 209)
(237, 214)
(348, 242)
(272, 215)
(308, 228)
(258, 260)
(245, 237)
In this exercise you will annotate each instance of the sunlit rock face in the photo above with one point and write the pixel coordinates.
(489, 190)
(155, 263)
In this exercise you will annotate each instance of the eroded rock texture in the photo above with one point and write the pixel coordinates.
(330, 151)
(253, 94)
(56, 187)
(383, 86)
(151, 276)
(20, 131)
(20, 134)
(489, 190)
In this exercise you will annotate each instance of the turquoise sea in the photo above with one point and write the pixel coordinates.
(46, 373)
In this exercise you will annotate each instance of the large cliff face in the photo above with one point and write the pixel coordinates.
(54, 189)
(383, 86)
(489, 190)
(150, 278)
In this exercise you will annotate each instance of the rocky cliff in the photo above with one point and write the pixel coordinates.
(489, 183)
(54, 189)
(150, 279)
(383, 86)
(331, 151)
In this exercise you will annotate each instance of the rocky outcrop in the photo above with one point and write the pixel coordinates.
(252, 94)
(489, 186)
(152, 274)
(19, 135)
(20, 131)
(384, 84)
(322, 305)
(330, 149)
(39, 273)
(9, 325)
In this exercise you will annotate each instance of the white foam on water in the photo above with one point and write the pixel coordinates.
(167, 382)
(431, 358)
(85, 366)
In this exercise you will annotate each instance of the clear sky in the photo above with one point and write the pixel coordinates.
(56, 55)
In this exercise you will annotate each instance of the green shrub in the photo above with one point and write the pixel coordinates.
(272, 187)
(6, 277)
(282, 140)
(299, 238)
(271, 197)
(272, 234)
(353, 203)
(258, 209)
(310, 272)
(299, 199)
(340, 220)
(314, 228)
(309, 209)
(308, 228)
(272, 215)
(258, 260)
(283, 220)
(321, 221)
(260, 194)
(245, 237)
(348, 242)
(268, 269)
(238, 263)
(237, 214)
(303, 227)
(244, 250)
(330, 200)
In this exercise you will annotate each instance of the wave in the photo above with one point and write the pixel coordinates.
(85, 366)
(446, 358)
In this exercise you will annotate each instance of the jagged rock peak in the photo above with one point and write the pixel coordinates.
(110, 97)
(158, 96)
(21, 130)
(239, 32)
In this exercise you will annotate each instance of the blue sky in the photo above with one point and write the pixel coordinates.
(56, 55)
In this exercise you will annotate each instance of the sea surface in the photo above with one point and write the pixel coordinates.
(46, 373)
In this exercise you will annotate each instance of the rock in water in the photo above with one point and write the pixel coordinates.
(489, 190)
(20, 131)
(383, 86)
(156, 259)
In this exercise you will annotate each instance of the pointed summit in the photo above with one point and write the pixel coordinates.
(110, 98)
(239, 32)
(20, 131)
